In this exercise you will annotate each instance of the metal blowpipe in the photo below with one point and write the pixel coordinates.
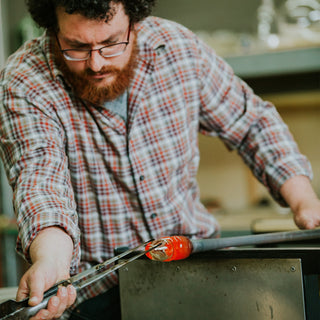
(180, 247)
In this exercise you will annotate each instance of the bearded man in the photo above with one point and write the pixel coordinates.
(99, 126)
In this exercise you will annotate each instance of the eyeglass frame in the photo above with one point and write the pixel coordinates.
(63, 51)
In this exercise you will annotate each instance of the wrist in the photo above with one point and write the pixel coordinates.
(297, 191)
(52, 245)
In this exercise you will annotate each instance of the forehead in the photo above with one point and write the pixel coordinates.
(78, 27)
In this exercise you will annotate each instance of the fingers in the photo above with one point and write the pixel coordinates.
(42, 275)
(302, 223)
(308, 219)
(72, 295)
(307, 223)
(64, 299)
(23, 291)
(58, 304)
(34, 291)
(31, 286)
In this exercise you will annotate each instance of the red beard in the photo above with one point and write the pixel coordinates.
(87, 90)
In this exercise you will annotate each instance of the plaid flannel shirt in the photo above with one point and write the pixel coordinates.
(108, 183)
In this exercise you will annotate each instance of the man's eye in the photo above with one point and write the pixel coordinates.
(76, 46)
(80, 48)
(111, 42)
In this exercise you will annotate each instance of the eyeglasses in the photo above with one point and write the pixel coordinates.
(108, 51)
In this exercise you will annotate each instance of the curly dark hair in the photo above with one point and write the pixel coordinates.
(43, 12)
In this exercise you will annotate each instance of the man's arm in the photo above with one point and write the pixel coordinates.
(303, 201)
(51, 253)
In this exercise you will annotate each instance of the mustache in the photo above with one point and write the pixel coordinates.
(103, 71)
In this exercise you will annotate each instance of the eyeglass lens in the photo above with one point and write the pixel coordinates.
(106, 52)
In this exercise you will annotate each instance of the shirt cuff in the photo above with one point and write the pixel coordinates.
(30, 228)
(278, 174)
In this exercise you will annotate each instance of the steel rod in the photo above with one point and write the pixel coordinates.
(200, 245)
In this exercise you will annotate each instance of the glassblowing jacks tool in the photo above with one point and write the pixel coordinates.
(13, 310)
(180, 247)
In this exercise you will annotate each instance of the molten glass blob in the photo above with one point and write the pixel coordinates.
(171, 248)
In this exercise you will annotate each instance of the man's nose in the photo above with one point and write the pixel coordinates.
(96, 61)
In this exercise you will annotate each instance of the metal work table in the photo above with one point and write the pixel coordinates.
(251, 283)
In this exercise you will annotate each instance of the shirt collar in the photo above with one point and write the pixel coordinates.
(150, 41)
(47, 45)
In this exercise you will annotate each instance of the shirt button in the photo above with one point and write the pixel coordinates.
(153, 216)
(142, 178)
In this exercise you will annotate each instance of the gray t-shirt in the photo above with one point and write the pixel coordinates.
(119, 105)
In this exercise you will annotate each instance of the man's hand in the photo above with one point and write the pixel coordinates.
(51, 255)
(307, 216)
(303, 202)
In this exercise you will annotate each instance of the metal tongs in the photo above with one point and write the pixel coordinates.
(13, 310)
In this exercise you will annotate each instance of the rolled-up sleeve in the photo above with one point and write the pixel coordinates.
(246, 123)
(32, 147)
